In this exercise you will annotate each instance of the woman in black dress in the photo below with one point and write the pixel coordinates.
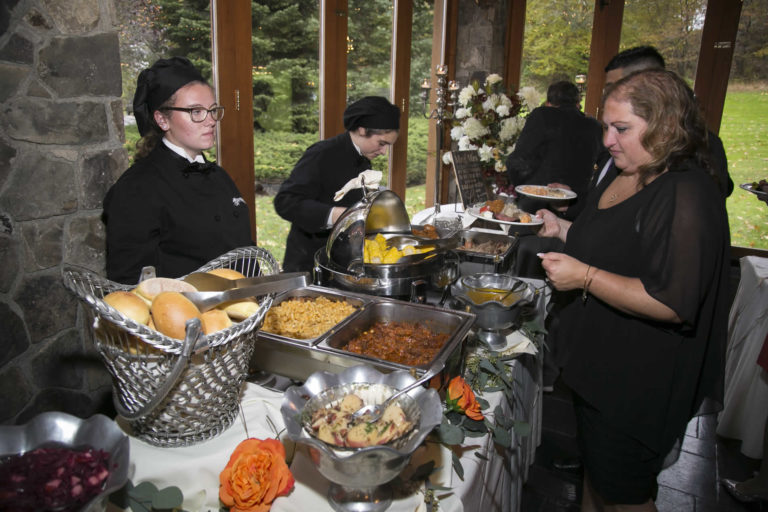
(305, 199)
(172, 209)
(646, 264)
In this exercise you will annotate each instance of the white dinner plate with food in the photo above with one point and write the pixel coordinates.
(750, 187)
(544, 192)
(474, 211)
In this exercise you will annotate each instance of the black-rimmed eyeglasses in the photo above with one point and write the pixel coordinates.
(199, 114)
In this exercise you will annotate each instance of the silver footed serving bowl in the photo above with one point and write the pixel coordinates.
(497, 300)
(358, 475)
(58, 429)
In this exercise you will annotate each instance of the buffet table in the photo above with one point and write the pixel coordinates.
(492, 479)
(493, 476)
(745, 408)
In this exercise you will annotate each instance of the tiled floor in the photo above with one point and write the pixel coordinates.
(691, 484)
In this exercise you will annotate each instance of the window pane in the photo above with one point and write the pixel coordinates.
(285, 103)
(418, 125)
(744, 128)
(557, 38)
(674, 28)
(369, 50)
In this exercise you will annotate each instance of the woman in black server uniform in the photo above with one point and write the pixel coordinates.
(172, 209)
(305, 199)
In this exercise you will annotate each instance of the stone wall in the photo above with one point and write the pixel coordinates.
(61, 133)
(480, 39)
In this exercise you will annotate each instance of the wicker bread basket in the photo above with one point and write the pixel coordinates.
(174, 392)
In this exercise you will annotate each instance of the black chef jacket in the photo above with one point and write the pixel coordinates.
(173, 215)
(305, 199)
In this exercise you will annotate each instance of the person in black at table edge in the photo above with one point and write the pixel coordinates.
(558, 146)
(305, 199)
(647, 265)
(171, 209)
(622, 64)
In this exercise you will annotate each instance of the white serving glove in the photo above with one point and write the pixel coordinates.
(366, 179)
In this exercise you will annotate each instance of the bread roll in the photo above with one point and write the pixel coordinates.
(215, 320)
(130, 305)
(240, 310)
(227, 273)
(150, 288)
(170, 312)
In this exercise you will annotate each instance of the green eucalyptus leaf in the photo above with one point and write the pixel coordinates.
(475, 433)
(522, 428)
(486, 365)
(482, 380)
(145, 490)
(480, 456)
(168, 498)
(482, 402)
(502, 437)
(457, 467)
(471, 425)
(501, 418)
(140, 497)
(450, 434)
(143, 505)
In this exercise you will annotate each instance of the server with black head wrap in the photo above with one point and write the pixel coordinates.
(306, 198)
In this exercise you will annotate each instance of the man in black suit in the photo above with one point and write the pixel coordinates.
(558, 144)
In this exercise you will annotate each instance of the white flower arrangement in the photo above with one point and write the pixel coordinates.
(489, 121)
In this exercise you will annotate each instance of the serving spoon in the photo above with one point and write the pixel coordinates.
(401, 241)
(375, 411)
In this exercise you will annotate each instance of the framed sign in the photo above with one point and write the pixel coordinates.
(472, 186)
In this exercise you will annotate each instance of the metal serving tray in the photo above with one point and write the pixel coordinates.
(439, 320)
(298, 361)
(472, 262)
(311, 292)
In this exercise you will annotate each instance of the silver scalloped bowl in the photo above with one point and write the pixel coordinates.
(99, 432)
(361, 467)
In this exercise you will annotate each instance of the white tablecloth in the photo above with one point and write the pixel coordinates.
(746, 383)
(492, 480)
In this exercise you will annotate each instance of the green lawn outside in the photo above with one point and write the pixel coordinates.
(744, 132)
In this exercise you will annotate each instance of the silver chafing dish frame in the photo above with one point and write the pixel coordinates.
(297, 359)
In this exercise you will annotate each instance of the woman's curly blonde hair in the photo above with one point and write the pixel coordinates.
(676, 131)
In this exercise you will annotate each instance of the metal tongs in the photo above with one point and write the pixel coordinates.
(401, 241)
(214, 290)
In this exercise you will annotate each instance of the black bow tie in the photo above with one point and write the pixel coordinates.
(198, 167)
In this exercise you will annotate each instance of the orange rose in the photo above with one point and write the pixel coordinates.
(461, 398)
(255, 475)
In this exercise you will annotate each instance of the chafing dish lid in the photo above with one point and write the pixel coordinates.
(378, 212)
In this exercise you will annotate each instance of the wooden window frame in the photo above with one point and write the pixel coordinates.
(232, 61)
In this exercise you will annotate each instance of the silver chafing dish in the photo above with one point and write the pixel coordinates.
(340, 264)
(477, 261)
(298, 359)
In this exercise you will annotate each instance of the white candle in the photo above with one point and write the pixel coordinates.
(442, 39)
